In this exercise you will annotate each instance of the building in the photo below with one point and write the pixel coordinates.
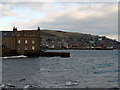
(22, 41)
(74, 46)
(7, 40)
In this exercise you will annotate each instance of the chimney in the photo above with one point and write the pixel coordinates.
(14, 29)
(38, 28)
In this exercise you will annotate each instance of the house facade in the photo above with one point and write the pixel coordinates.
(22, 41)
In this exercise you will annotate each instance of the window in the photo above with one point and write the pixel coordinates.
(33, 48)
(18, 41)
(26, 42)
(4, 41)
(18, 48)
(18, 34)
(33, 34)
(33, 41)
(5, 34)
(25, 34)
(26, 48)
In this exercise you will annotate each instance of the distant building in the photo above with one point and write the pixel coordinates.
(74, 46)
(100, 38)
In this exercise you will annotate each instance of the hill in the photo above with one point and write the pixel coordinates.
(61, 39)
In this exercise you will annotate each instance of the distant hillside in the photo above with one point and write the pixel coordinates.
(70, 38)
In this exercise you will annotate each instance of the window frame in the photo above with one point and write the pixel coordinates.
(33, 47)
(19, 41)
(26, 41)
(33, 42)
(26, 48)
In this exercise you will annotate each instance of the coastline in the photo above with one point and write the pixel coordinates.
(46, 53)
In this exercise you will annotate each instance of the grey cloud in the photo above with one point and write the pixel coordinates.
(60, 1)
(107, 24)
(98, 19)
(6, 10)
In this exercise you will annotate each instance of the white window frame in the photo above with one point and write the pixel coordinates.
(33, 41)
(26, 41)
(33, 47)
(18, 41)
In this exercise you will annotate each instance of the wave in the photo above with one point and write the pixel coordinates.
(14, 57)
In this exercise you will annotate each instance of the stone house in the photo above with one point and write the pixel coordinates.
(22, 41)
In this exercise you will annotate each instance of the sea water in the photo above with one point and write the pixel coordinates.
(83, 69)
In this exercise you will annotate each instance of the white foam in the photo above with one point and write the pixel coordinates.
(12, 57)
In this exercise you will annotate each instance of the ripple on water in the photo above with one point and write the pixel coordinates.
(93, 68)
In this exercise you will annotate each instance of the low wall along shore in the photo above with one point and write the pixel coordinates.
(8, 52)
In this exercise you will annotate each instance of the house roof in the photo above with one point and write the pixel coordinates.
(9, 33)
(75, 45)
(27, 31)
(6, 33)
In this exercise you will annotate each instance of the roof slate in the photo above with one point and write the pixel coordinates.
(6, 33)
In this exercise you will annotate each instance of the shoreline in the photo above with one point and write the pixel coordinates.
(49, 54)
(41, 54)
(82, 49)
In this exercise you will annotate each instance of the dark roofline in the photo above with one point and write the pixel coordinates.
(9, 33)
(6, 31)
(27, 31)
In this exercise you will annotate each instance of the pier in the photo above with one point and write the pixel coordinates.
(8, 52)
(49, 54)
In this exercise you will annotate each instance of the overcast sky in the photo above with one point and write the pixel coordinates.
(88, 17)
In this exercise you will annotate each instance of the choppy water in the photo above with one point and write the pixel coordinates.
(84, 68)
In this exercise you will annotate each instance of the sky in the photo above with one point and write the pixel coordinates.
(96, 18)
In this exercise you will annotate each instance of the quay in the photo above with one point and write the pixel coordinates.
(49, 54)
(8, 52)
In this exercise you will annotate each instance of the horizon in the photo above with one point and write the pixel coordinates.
(63, 31)
(88, 18)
